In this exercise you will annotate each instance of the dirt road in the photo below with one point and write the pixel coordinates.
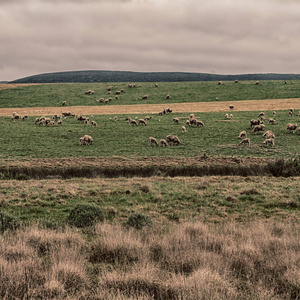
(245, 105)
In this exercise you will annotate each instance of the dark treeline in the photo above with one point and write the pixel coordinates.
(126, 76)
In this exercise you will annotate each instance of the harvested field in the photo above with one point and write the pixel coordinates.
(245, 105)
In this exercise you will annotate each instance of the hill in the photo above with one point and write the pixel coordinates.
(128, 76)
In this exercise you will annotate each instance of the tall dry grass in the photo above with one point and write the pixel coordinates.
(257, 260)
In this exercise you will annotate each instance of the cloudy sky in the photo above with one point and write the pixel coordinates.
(212, 36)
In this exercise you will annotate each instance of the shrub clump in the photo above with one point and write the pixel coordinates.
(138, 221)
(8, 222)
(85, 215)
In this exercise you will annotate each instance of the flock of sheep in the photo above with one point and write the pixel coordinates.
(256, 125)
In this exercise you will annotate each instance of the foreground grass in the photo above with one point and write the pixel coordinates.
(180, 92)
(219, 137)
(257, 260)
(163, 199)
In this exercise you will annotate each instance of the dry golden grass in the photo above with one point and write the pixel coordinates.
(244, 105)
(193, 260)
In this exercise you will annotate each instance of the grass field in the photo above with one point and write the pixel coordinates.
(219, 137)
(181, 92)
(205, 237)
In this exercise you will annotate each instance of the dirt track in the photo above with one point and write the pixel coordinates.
(245, 105)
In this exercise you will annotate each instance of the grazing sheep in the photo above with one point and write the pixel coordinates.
(168, 97)
(245, 141)
(168, 110)
(94, 124)
(291, 127)
(89, 92)
(236, 81)
(220, 83)
(291, 112)
(269, 141)
(188, 123)
(59, 122)
(199, 123)
(56, 117)
(118, 92)
(102, 100)
(274, 114)
(231, 107)
(183, 129)
(271, 121)
(176, 120)
(15, 117)
(115, 119)
(257, 83)
(148, 118)
(82, 141)
(132, 122)
(173, 139)
(64, 103)
(231, 116)
(261, 114)
(254, 122)
(37, 120)
(24, 117)
(88, 139)
(47, 121)
(160, 113)
(130, 85)
(242, 134)
(258, 128)
(164, 143)
(156, 85)
(145, 97)
(86, 122)
(226, 116)
(142, 122)
(52, 123)
(152, 140)
(192, 116)
(268, 135)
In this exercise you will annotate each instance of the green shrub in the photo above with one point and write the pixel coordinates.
(138, 221)
(8, 222)
(85, 215)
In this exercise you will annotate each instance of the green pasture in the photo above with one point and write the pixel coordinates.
(180, 92)
(219, 137)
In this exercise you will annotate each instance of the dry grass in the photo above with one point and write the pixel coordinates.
(257, 260)
(244, 105)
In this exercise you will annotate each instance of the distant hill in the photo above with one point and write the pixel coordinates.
(127, 76)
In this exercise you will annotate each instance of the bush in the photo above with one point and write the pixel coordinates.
(8, 222)
(138, 221)
(85, 215)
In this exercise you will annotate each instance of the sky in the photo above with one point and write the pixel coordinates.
(212, 36)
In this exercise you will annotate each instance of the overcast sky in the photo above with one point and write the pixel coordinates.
(212, 36)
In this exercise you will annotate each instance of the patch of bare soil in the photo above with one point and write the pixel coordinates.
(134, 161)
(244, 105)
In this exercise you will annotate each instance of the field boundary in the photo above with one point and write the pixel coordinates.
(216, 106)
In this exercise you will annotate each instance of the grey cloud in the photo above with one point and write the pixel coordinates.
(228, 37)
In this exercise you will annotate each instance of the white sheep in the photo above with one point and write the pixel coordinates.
(148, 118)
(291, 127)
(269, 135)
(269, 141)
(115, 119)
(258, 128)
(88, 139)
(173, 139)
(245, 141)
(254, 122)
(59, 122)
(183, 129)
(164, 143)
(242, 134)
(271, 121)
(274, 114)
(64, 103)
(176, 121)
(86, 122)
(152, 140)
(168, 97)
(132, 122)
(94, 124)
(142, 122)
(188, 123)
